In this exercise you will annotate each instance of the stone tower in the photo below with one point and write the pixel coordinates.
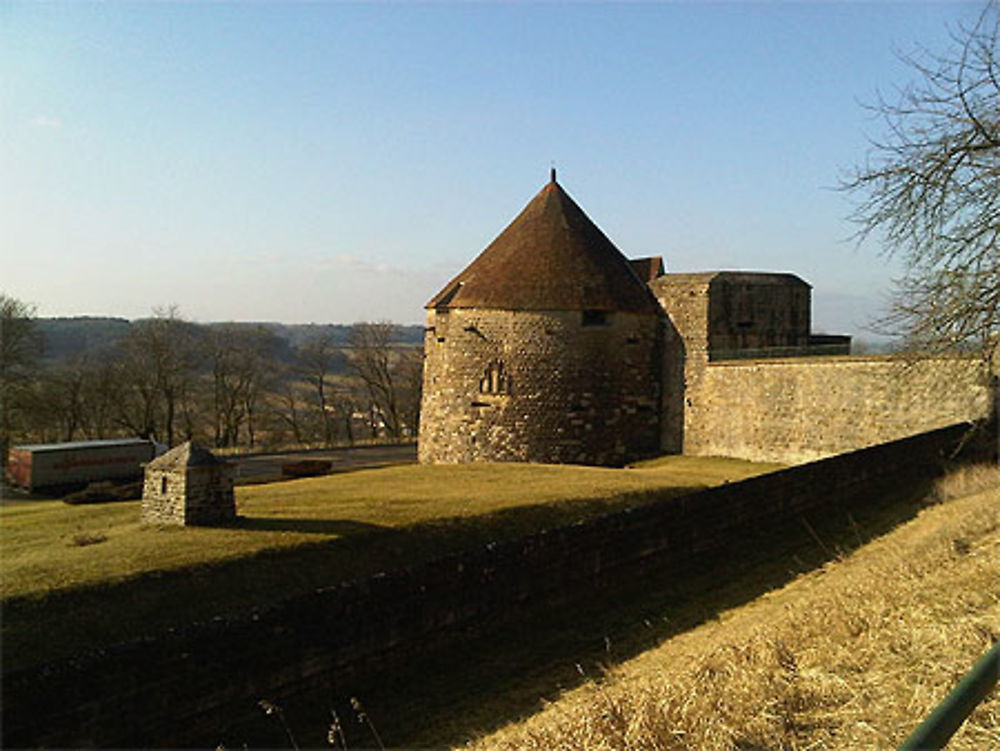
(546, 348)
(188, 486)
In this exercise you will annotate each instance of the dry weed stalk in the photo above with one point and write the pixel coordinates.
(853, 655)
(364, 719)
(969, 480)
(274, 710)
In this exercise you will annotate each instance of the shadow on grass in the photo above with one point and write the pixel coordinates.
(500, 672)
(339, 527)
(490, 673)
(43, 628)
(13, 494)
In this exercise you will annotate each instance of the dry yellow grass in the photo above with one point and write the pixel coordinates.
(853, 655)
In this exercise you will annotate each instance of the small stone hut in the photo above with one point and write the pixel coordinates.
(188, 486)
(546, 348)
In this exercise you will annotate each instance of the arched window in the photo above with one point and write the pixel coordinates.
(494, 380)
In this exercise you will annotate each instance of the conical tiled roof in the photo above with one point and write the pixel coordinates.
(551, 257)
(188, 454)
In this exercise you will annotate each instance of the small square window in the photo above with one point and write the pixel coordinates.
(595, 318)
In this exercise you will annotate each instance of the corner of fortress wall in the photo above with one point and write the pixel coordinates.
(583, 396)
(804, 408)
(801, 409)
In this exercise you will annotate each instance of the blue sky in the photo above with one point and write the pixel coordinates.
(330, 162)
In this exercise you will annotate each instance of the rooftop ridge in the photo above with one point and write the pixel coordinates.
(187, 454)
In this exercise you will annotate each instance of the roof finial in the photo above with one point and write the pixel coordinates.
(552, 174)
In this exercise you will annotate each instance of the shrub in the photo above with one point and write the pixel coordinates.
(105, 492)
(306, 468)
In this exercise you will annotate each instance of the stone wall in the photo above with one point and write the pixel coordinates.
(196, 495)
(685, 299)
(791, 409)
(550, 386)
(163, 492)
(182, 687)
(756, 310)
(801, 409)
(210, 498)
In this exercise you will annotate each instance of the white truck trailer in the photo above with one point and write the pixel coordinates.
(47, 465)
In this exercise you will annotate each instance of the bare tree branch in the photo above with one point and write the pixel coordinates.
(930, 192)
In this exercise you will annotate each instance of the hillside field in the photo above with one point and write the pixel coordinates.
(75, 577)
(850, 655)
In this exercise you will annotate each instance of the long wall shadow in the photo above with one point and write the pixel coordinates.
(502, 670)
(135, 608)
(453, 641)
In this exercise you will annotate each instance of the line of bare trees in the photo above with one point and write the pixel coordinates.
(172, 380)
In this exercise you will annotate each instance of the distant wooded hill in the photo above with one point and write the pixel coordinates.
(65, 338)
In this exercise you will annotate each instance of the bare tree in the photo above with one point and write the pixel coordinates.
(317, 359)
(411, 378)
(389, 373)
(347, 405)
(156, 363)
(100, 395)
(229, 379)
(243, 367)
(372, 360)
(61, 398)
(131, 377)
(259, 365)
(931, 193)
(286, 405)
(20, 347)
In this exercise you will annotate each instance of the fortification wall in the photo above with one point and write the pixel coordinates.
(802, 409)
(685, 301)
(540, 386)
(180, 688)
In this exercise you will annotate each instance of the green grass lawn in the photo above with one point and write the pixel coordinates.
(78, 576)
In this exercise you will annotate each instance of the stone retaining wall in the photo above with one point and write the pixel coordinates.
(178, 688)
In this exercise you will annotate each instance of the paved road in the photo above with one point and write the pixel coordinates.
(268, 467)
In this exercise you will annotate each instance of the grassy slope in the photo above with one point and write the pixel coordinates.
(76, 576)
(852, 655)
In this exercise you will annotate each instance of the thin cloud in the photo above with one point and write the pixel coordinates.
(44, 121)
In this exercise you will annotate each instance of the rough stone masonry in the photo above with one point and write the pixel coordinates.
(551, 346)
(188, 486)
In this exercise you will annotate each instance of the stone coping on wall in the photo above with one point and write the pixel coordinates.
(841, 359)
